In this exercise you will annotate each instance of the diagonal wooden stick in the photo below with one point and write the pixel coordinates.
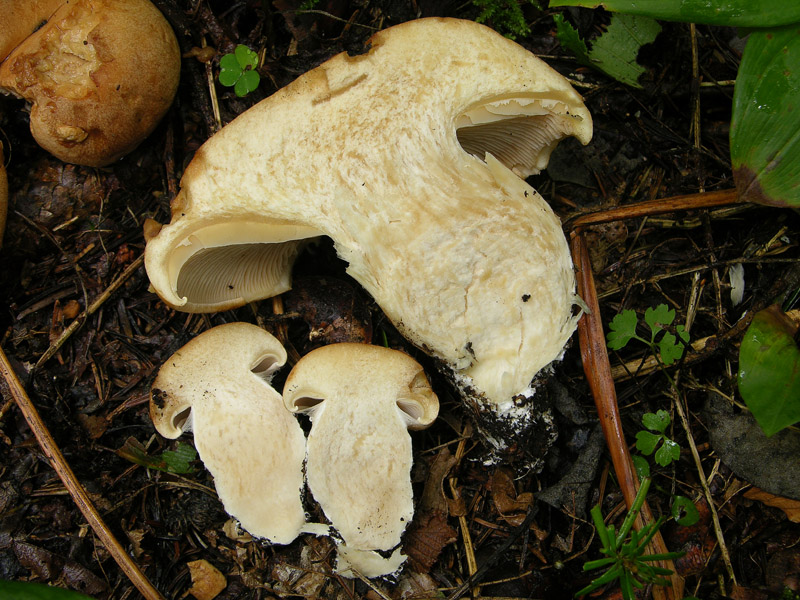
(655, 207)
(598, 372)
(79, 495)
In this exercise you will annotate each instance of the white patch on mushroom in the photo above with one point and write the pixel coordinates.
(217, 385)
(361, 400)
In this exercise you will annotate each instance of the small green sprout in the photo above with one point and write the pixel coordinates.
(684, 511)
(237, 70)
(171, 461)
(624, 552)
(623, 329)
(646, 442)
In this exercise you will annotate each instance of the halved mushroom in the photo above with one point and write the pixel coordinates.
(100, 74)
(217, 385)
(408, 157)
(361, 400)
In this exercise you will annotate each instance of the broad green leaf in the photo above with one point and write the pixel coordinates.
(769, 370)
(646, 442)
(622, 329)
(615, 51)
(733, 13)
(657, 421)
(18, 590)
(668, 452)
(245, 57)
(659, 317)
(684, 511)
(765, 125)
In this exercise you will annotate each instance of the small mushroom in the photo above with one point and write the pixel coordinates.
(217, 386)
(409, 157)
(99, 74)
(361, 400)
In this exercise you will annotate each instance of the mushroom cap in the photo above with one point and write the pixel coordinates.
(361, 399)
(100, 74)
(217, 386)
(412, 168)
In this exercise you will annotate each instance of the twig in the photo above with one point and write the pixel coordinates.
(88, 312)
(79, 495)
(497, 554)
(655, 207)
(723, 548)
(598, 372)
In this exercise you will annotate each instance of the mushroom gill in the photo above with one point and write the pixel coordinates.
(520, 132)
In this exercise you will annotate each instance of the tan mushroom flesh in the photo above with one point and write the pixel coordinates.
(99, 74)
(217, 386)
(409, 157)
(361, 400)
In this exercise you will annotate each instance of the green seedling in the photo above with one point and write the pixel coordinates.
(625, 559)
(668, 348)
(647, 441)
(171, 461)
(237, 70)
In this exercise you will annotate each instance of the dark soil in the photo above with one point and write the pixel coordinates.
(73, 230)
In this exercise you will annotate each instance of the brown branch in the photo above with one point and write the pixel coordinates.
(93, 308)
(598, 372)
(79, 495)
(655, 207)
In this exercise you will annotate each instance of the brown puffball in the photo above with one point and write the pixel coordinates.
(99, 74)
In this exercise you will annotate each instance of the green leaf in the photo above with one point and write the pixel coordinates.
(733, 13)
(251, 80)
(657, 421)
(769, 370)
(622, 329)
(570, 39)
(229, 70)
(765, 125)
(659, 318)
(641, 465)
(615, 51)
(176, 461)
(668, 452)
(684, 511)
(646, 442)
(245, 57)
(669, 349)
(18, 590)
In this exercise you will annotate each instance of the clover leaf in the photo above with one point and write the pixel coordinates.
(237, 70)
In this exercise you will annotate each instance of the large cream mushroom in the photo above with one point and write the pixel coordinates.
(99, 74)
(361, 400)
(217, 386)
(409, 157)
